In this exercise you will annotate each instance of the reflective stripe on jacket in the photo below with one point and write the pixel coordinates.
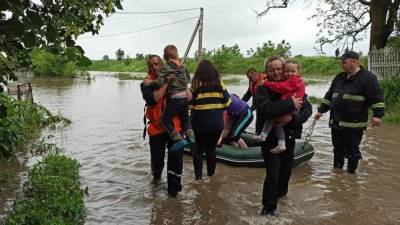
(349, 99)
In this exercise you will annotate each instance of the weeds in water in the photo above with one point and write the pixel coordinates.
(231, 80)
(127, 76)
(23, 122)
(314, 100)
(51, 195)
(45, 148)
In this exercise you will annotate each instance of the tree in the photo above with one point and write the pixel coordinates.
(221, 56)
(25, 24)
(270, 49)
(119, 54)
(347, 21)
(106, 57)
(139, 56)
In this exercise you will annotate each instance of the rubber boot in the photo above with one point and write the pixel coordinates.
(269, 211)
(352, 166)
(338, 161)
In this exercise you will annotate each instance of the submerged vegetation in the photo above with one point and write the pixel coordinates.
(22, 122)
(51, 195)
(127, 76)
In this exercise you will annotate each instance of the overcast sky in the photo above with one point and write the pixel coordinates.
(225, 22)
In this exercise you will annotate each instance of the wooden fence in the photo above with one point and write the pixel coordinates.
(384, 62)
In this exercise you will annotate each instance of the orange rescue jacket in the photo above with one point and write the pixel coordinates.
(253, 86)
(154, 114)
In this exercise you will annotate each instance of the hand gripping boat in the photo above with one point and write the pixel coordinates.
(252, 156)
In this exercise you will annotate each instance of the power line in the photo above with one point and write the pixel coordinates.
(143, 29)
(159, 12)
(209, 9)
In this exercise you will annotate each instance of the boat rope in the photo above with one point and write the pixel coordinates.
(309, 130)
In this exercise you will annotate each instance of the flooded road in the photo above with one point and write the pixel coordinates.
(106, 138)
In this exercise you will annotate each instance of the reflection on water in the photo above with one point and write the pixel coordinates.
(106, 137)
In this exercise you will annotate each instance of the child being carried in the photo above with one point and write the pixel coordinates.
(177, 98)
(293, 85)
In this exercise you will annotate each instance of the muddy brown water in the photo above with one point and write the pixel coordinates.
(106, 138)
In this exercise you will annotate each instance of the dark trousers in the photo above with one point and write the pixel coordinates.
(174, 163)
(278, 171)
(346, 144)
(176, 106)
(206, 143)
(241, 124)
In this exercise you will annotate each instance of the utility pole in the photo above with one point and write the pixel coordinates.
(198, 27)
(200, 51)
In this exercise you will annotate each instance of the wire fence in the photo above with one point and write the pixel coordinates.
(385, 62)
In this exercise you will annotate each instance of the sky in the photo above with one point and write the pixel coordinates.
(225, 22)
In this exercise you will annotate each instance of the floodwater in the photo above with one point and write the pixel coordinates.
(106, 138)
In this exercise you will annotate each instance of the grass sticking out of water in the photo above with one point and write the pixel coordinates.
(51, 195)
(231, 80)
(127, 76)
(314, 100)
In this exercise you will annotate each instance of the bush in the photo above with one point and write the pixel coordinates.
(51, 195)
(391, 91)
(65, 64)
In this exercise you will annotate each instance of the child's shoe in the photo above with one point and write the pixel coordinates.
(179, 145)
(176, 136)
(190, 138)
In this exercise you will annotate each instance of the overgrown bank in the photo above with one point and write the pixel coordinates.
(51, 195)
(21, 122)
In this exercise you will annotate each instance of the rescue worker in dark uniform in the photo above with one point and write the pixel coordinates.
(349, 97)
(270, 106)
(158, 138)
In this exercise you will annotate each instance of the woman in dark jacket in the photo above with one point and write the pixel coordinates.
(269, 107)
(210, 99)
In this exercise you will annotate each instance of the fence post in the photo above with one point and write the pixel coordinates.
(18, 92)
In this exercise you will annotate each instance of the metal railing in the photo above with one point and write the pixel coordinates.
(384, 62)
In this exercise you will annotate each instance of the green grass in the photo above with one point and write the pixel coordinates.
(392, 116)
(314, 100)
(312, 66)
(51, 195)
(119, 65)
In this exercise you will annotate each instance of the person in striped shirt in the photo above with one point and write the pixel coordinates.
(209, 100)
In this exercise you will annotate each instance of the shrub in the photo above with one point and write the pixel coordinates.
(51, 195)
